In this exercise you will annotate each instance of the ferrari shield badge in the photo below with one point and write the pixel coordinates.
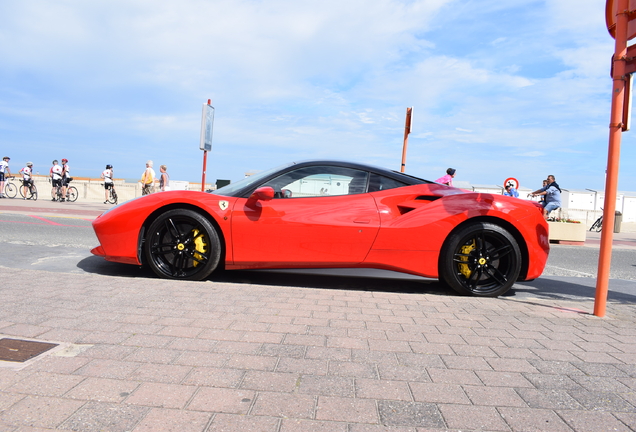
(223, 204)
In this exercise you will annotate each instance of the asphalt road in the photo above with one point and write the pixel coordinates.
(63, 244)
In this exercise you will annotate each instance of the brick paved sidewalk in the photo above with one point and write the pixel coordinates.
(157, 355)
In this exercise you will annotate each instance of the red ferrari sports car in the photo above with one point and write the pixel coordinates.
(327, 214)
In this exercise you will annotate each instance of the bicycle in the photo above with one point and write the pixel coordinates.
(56, 193)
(10, 188)
(71, 193)
(32, 191)
(112, 194)
(597, 225)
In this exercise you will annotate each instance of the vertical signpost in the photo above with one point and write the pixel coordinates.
(407, 131)
(619, 15)
(207, 121)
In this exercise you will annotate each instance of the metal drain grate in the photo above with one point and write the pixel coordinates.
(16, 350)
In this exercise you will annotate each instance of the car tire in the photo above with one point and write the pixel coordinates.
(182, 244)
(480, 259)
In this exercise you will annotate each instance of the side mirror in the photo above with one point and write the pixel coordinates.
(264, 193)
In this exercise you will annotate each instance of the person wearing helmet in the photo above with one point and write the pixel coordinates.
(27, 178)
(56, 179)
(66, 176)
(4, 170)
(107, 175)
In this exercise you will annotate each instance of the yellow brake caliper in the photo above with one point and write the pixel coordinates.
(199, 245)
(466, 250)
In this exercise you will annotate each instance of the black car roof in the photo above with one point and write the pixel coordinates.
(405, 178)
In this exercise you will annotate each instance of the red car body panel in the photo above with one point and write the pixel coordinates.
(400, 229)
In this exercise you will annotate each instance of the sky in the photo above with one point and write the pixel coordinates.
(515, 88)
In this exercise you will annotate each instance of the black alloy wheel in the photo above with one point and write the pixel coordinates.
(182, 244)
(480, 259)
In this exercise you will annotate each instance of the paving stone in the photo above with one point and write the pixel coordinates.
(46, 384)
(552, 381)
(271, 381)
(112, 417)
(473, 418)
(171, 420)
(439, 393)
(601, 401)
(326, 385)
(102, 390)
(548, 398)
(593, 421)
(382, 389)
(40, 411)
(531, 419)
(222, 400)
(493, 396)
(294, 425)
(399, 413)
(214, 377)
(286, 405)
(161, 395)
(353, 369)
(346, 410)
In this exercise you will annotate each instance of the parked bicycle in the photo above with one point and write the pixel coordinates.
(10, 188)
(598, 224)
(71, 193)
(28, 190)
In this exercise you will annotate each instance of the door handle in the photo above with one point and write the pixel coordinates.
(362, 221)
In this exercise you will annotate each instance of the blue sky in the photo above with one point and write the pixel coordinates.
(518, 88)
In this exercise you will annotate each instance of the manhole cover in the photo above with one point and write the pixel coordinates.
(17, 350)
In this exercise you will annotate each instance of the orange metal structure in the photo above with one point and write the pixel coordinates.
(619, 15)
(407, 131)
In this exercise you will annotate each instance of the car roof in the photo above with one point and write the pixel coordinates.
(402, 177)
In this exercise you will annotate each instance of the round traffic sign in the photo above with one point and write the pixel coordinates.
(512, 182)
(611, 9)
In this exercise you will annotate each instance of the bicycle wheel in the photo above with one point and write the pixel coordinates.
(10, 190)
(112, 196)
(34, 193)
(71, 194)
(599, 225)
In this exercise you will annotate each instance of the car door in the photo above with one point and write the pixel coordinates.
(319, 216)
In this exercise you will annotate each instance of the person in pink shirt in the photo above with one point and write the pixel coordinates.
(448, 178)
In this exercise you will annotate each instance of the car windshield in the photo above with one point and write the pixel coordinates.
(232, 188)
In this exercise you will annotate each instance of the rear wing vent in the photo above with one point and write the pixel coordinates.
(415, 203)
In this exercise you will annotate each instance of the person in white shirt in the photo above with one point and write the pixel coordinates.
(56, 179)
(66, 176)
(4, 170)
(107, 175)
(27, 180)
(148, 179)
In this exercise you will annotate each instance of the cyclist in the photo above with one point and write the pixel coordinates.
(27, 180)
(56, 177)
(66, 177)
(107, 175)
(4, 170)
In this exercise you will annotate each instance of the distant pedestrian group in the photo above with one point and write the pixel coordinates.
(148, 179)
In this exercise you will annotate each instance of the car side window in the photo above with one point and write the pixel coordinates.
(317, 181)
(379, 183)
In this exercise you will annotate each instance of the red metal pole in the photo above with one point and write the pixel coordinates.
(205, 164)
(613, 158)
(407, 131)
